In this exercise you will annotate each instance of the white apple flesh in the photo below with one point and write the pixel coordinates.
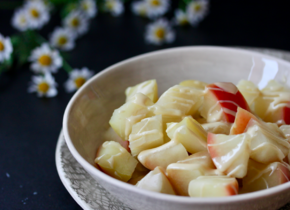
(162, 156)
(116, 161)
(156, 181)
(146, 134)
(213, 186)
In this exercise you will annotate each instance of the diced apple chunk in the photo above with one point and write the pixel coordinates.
(180, 174)
(156, 181)
(286, 131)
(148, 88)
(178, 101)
(217, 127)
(164, 155)
(249, 90)
(230, 153)
(261, 176)
(213, 186)
(266, 146)
(189, 133)
(116, 161)
(130, 113)
(242, 119)
(201, 158)
(194, 83)
(221, 101)
(146, 134)
(274, 104)
(111, 135)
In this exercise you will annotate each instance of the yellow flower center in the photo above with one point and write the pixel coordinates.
(2, 47)
(85, 6)
(75, 22)
(184, 21)
(34, 13)
(45, 60)
(160, 33)
(155, 3)
(197, 7)
(43, 87)
(79, 81)
(62, 40)
(23, 20)
(110, 5)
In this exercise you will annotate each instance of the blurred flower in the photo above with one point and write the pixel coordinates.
(45, 59)
(5, 48)
(45, 2)
(62, 38)
(157, 8)
(181, 17)
(159, 32)
(77, 78)
(196, 11)
(140, 8)
(37, 14)
(89, 8)
(19, 20)
(43, 85)
(77, 22)
(116, 7)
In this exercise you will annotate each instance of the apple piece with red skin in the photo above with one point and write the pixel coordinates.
(241, 121)
(181, 173)
(221, 101)
(230, 153)
(164, 155)
(116, 161)
(213, 186)
(156, 181)
(262, 176)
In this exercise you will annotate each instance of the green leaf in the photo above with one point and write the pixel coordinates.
(67, 9)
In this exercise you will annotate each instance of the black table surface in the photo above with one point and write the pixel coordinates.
(29, 126)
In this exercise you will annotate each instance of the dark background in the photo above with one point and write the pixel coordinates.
(29, 126)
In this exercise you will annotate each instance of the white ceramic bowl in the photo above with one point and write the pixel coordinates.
(88, 112)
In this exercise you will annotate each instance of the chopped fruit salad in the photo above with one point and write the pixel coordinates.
(199, 139)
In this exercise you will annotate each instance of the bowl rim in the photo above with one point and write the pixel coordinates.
(165, 197)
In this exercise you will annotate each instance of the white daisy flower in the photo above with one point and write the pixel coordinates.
(76, 22)
(77, 78)
(140, 8)
(159, 32)
(19, 20)
(43, 85)
(45, 59)
(116, 7)
(37, 14)
(89, 8)
(181, 17)
(5, 48)
(196, 11)
(157, 8)
(62, 38)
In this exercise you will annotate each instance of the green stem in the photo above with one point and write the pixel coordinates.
(66, 66)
